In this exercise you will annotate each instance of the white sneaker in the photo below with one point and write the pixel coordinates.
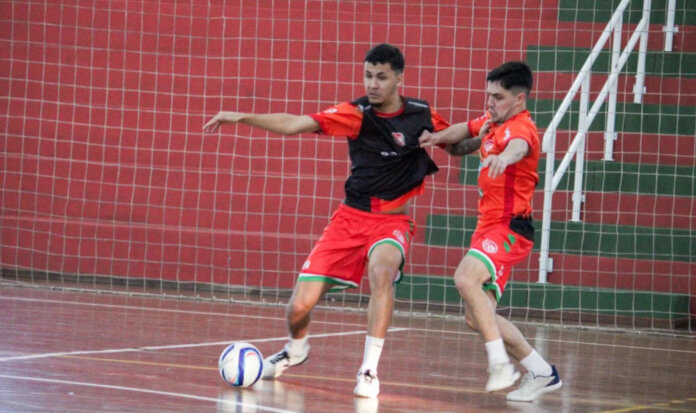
(275, 365)
(368, 385)
(500, 376)
(534, 386)
(364, 405)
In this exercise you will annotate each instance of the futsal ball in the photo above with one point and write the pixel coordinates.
(240, 364)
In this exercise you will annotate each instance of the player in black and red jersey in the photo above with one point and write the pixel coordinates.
(372, 223)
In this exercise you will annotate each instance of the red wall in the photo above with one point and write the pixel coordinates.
(106, 170)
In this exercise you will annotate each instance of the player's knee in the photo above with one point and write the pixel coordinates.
(299, 307)
(465, 284)
(381, 276)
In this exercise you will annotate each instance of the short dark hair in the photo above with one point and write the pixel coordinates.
(512, 75)
(386, 53)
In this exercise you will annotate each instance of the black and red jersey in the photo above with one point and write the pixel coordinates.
(387, 165)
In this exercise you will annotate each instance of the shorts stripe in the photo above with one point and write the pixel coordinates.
(387, 241)
(391, 241)
(339, 284)
(479, 255)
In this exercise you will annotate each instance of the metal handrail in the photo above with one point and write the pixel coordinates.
(582, 83)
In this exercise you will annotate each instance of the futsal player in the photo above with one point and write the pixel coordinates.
(508, 143)
(371, 225)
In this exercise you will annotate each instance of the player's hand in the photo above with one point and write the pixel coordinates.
(496, 165)
(222, 117)
(427, 139)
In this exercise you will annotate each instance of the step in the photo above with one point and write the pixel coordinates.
(604, 240)
(598, 207)
(548, 297)
(659, 90)
(631, 147)
(602, 10)
(630, 117)
(570, 269)
(570, 59)
(607, 176)
(586, 34)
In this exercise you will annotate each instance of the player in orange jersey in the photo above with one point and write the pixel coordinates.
(508, 143)
(388, 168)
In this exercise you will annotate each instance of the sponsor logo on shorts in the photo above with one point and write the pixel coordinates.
(399, 236)
(305, 265)
(490, 246)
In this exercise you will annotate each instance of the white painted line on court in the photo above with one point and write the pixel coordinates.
(171, 346)
(165, 310)
(161, 393)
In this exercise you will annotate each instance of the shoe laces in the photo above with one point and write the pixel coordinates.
(527, 378)
(280, 356)
(368, 376)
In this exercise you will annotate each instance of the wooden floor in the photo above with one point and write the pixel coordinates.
(88, 352)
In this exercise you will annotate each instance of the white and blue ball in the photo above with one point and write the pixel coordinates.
(240, 364)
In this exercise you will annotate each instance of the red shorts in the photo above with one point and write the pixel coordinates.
(340, 255)
(499, 247)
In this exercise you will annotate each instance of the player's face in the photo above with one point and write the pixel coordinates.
(381, 86)
(503, 103)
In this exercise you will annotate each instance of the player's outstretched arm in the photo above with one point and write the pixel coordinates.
(456, 139)
(281, 123)
(515, 150)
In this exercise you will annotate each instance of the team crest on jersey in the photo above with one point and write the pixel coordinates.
(488, 145)
(399, 236)
(399, 138)
(489, 246)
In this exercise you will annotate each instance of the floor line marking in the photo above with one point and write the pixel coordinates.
(173, 346)
(161, 393)
(465, 332)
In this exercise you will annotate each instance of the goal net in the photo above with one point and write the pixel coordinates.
(109, 183)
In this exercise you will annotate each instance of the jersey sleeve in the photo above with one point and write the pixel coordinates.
(476, 124)
(343, 119)
(516, 130)
(439, 123)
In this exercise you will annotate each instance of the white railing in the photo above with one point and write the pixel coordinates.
(587, 116)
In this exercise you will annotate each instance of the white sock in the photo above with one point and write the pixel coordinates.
(373, 351)
(496, 352)
(536, 364)
(297, 346)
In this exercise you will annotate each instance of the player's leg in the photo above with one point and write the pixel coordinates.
(470, 277)
(304, 298)
(384, 266)
(336, 261)
(541, 376)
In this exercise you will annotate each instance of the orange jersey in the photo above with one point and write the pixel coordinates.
(509, 194)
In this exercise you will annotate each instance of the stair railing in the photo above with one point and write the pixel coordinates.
(586, 117)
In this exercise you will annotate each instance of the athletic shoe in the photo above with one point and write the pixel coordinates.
(534, 386)
(364, 405)
(275, 365)
(368, 385)
(500, 376)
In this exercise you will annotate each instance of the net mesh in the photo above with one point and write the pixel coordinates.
(109, 183)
